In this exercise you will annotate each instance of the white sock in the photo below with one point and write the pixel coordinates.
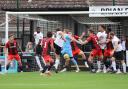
(124, 67)
(118, 71)
(38, 62)
(57, 62)
(77, 67)
(114, 65)
(86, 64)
(99, 65)
(104, 68)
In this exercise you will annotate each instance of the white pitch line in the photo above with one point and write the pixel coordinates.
(25, 84)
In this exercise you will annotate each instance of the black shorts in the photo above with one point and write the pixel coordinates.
(38, 50)
(119, 55)
(57, 49)
(103, 51)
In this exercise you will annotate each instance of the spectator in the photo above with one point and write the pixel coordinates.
(29, 47)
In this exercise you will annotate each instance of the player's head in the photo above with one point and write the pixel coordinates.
(66, 30)
(58, 29)
(90, 31)
(101, 28)
(70, 33)
(112, 34)
(66, 57)
(49, 34)
(11, 37)
(123, 38)
(38, 29)
(108, 30)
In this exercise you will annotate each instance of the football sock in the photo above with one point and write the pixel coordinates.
(75, 63)
(38, 62)
(99, 64)
(57, 62)
(7, 67)
(0, 68)
(49, 67)
(114, 65)
(91, 66)
(85, 63)
(124, 67)
(45, 68)
(106, 63)
(20, 68)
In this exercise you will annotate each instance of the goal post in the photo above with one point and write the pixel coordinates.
(53, 13)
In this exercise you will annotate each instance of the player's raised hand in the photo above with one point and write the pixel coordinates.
(83, 33)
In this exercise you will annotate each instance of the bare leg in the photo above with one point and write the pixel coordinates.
(20, 65)
(8, 64)
(57, 61)
(84, 58)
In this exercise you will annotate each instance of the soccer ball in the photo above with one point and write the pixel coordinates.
(66, 56)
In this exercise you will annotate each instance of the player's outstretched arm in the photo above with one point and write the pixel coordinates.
(84, 42)
(87, 40)
(2, 46)
(73, 39)
(82, 35)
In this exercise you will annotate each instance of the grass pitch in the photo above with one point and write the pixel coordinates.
(67, 80)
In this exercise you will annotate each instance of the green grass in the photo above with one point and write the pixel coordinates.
(67, 80)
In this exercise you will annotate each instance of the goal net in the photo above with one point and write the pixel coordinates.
(77, 21)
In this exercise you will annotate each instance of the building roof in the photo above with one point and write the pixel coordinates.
(37, 5)
(56, 4)
(45, 4)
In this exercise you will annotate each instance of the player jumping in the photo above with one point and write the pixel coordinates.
(67, 51)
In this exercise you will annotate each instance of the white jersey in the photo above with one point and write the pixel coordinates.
(114, 40)
(38, 36)
(123, 45)
(102, 36)
(58, 40)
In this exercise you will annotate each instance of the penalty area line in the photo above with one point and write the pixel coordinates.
(25, 84)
